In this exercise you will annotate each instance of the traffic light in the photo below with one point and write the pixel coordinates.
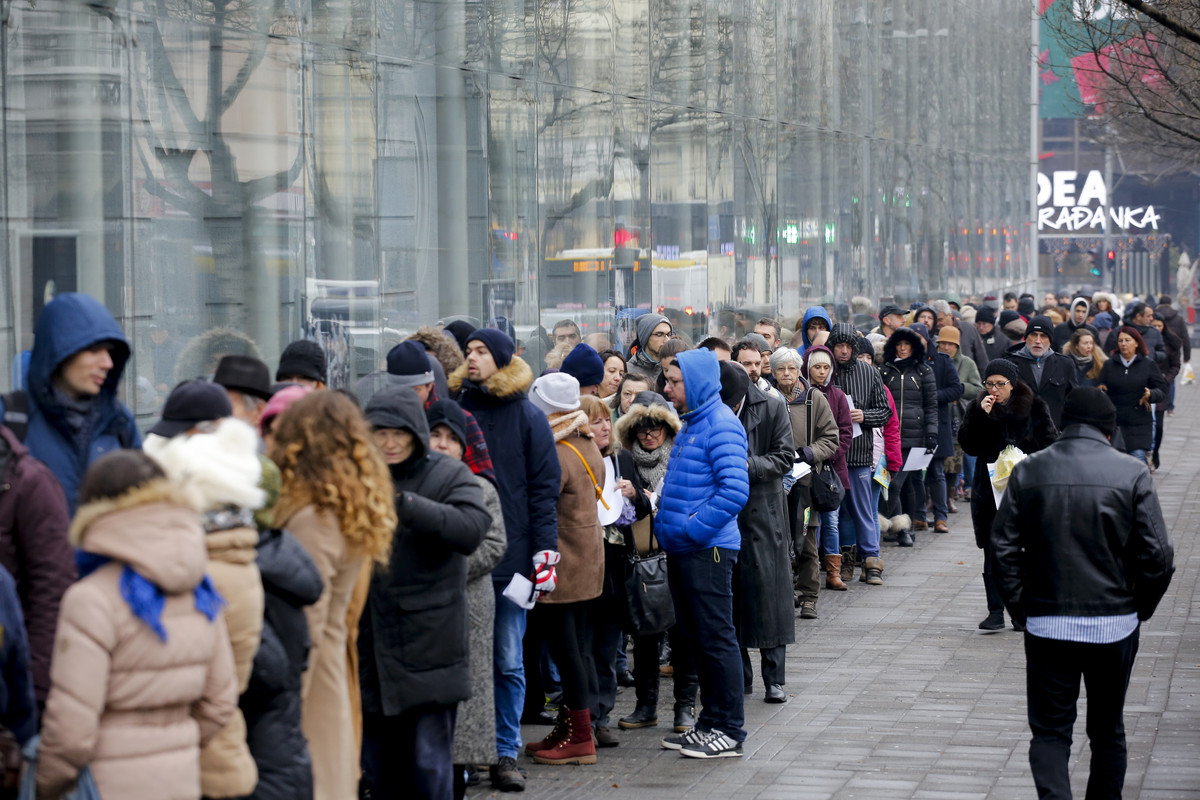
(1111, 257)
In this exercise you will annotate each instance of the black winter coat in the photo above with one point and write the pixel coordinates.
(1024, 421)
(949, 390)
(1059, 377)
(1080, 533)
(1125, 386)
(271, 702)
(762, 580)
(1176, 324)
(413, 635)
(914, 390)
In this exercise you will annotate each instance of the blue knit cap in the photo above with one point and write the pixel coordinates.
(498, 344)
(584, 364)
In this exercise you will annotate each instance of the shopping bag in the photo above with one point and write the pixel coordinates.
(1188, 375)
(1001, 469)
(85, 787)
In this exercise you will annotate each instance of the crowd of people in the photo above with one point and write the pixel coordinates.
(289, 590)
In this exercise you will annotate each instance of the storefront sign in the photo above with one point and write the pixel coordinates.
(1064, 205)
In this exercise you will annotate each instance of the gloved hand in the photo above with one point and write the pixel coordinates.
(544, 577)
(931, 441)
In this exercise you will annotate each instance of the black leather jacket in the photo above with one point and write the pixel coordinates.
(1080, 533)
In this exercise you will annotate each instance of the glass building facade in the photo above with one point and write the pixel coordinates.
(229, 175)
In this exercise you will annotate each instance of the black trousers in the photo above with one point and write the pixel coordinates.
(569, 639)
(409, 755)
(1053, 669)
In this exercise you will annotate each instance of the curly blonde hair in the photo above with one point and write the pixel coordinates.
(327, 459)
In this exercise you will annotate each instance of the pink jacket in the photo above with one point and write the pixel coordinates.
(891, 438)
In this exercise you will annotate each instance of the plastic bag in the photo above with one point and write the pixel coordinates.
(1188, 375)
(85, 787)
(1001, 469)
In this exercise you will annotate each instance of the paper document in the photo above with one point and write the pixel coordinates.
(857, 428)
(918, 459)
(800, 469)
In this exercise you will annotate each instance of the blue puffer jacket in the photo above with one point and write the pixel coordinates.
(707, 482)
(70, 323)
(818, 312)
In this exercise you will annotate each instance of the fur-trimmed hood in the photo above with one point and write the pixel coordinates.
(566, 423)
(153, 528)
(510, 381)
(638, 414)
(904, 335)
(443, 346)
(216, 469)
(1115, 305)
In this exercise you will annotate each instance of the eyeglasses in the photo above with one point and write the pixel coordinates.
(659, 335)
(993, 385)
(657, 429)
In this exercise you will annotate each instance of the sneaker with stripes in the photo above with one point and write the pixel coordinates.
(688, 737)
(714, 745)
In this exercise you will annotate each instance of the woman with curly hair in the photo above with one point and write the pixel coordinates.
(336, 499)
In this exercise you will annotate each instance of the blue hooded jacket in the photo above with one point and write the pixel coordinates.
(817, 312)
(707, 482)
(71, 323)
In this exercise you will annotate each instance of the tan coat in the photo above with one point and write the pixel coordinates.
(580, 537)
(136, 708)
(327, 719)
(226, 767)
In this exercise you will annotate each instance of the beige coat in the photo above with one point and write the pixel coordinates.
(226, 767)
(327, 718)
(136, 708)
(580, 537)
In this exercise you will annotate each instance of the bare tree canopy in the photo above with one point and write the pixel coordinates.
(1137, 65)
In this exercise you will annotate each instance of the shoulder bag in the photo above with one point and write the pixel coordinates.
(827, 490)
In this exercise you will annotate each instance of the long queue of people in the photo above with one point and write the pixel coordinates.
(290, 591)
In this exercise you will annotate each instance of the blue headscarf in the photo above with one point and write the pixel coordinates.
(146, 599)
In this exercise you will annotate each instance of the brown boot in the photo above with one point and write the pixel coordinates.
(849, 554)
(833, 573)
(556, 735)
(577, 748)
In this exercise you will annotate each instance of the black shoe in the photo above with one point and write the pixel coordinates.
(685, 718)
(543, 717)
(775, 694)
(606, 738)
(473, 776)
(1018, 626)
(625, 679)
(1154, 459)
(714, 745)
(904, 539)
(749, 688)
(644, 716)
(506, 777)
(993, 622)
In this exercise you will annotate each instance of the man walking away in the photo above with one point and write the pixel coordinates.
(1082, 556)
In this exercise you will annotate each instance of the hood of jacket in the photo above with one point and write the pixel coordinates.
(904, 335)
(152, 529)
(926, 336)
(816, 312)
(216, 469)
(1168, 313)
(639, 413)
(819, 348)
(701, 377)
(508, 383)
(406, 412)
(70, 323)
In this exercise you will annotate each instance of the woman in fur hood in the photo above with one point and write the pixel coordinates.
(580, 570)
(143, 674)
(1006, 413)
(217, 463)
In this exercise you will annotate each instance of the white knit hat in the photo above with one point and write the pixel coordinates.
(555, 393)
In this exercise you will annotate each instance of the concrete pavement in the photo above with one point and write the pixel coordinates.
(896, 694)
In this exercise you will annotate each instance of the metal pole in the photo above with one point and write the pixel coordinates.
(1031, 272)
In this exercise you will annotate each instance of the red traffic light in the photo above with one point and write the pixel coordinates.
(1112, 255)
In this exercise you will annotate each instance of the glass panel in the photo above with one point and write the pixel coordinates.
(677, 52)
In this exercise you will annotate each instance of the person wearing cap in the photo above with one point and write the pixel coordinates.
(818, 369)
(303, 362)
(248, 382)
(1083, 558)
(1077, 318)
(969, 341)
(1051, 375)
(414, 658)
(200, 446)
(704, 490)
(653, 331)
(580, 571)
(493, 386)
(995, 343)
(1006, 413)
(585, 365)
(68, 414)
(872, 410)
(891, 318)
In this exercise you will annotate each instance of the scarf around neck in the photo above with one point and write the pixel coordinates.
(652, 464)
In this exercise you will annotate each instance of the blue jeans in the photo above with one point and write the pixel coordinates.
(702, 587)
(968, 470)
(408, 755)
(1140, 455)
(508, 673)
(830, 541)
(858, 511)
(935, 484)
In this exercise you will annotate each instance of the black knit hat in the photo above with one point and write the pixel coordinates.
(1087, 405)
(863, 347)
(1003, 367)
(735, 383)
(1040, 324)
(986, 314)
(302, 359)
(498, 344)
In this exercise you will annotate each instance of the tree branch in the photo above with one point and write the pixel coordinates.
(1173, 25)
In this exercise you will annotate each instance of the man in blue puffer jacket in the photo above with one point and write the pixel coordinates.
(73, 415)
(707, 484)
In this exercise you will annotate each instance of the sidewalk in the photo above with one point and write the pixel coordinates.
(896, 694)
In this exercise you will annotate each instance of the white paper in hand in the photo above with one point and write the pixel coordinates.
(520, 591)
(800, 469)
(918, 459)
(612, 496)
(853, 425)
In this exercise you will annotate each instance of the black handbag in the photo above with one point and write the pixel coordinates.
(647, 593)
(827, 491)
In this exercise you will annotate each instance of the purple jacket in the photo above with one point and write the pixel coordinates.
(841, 414)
